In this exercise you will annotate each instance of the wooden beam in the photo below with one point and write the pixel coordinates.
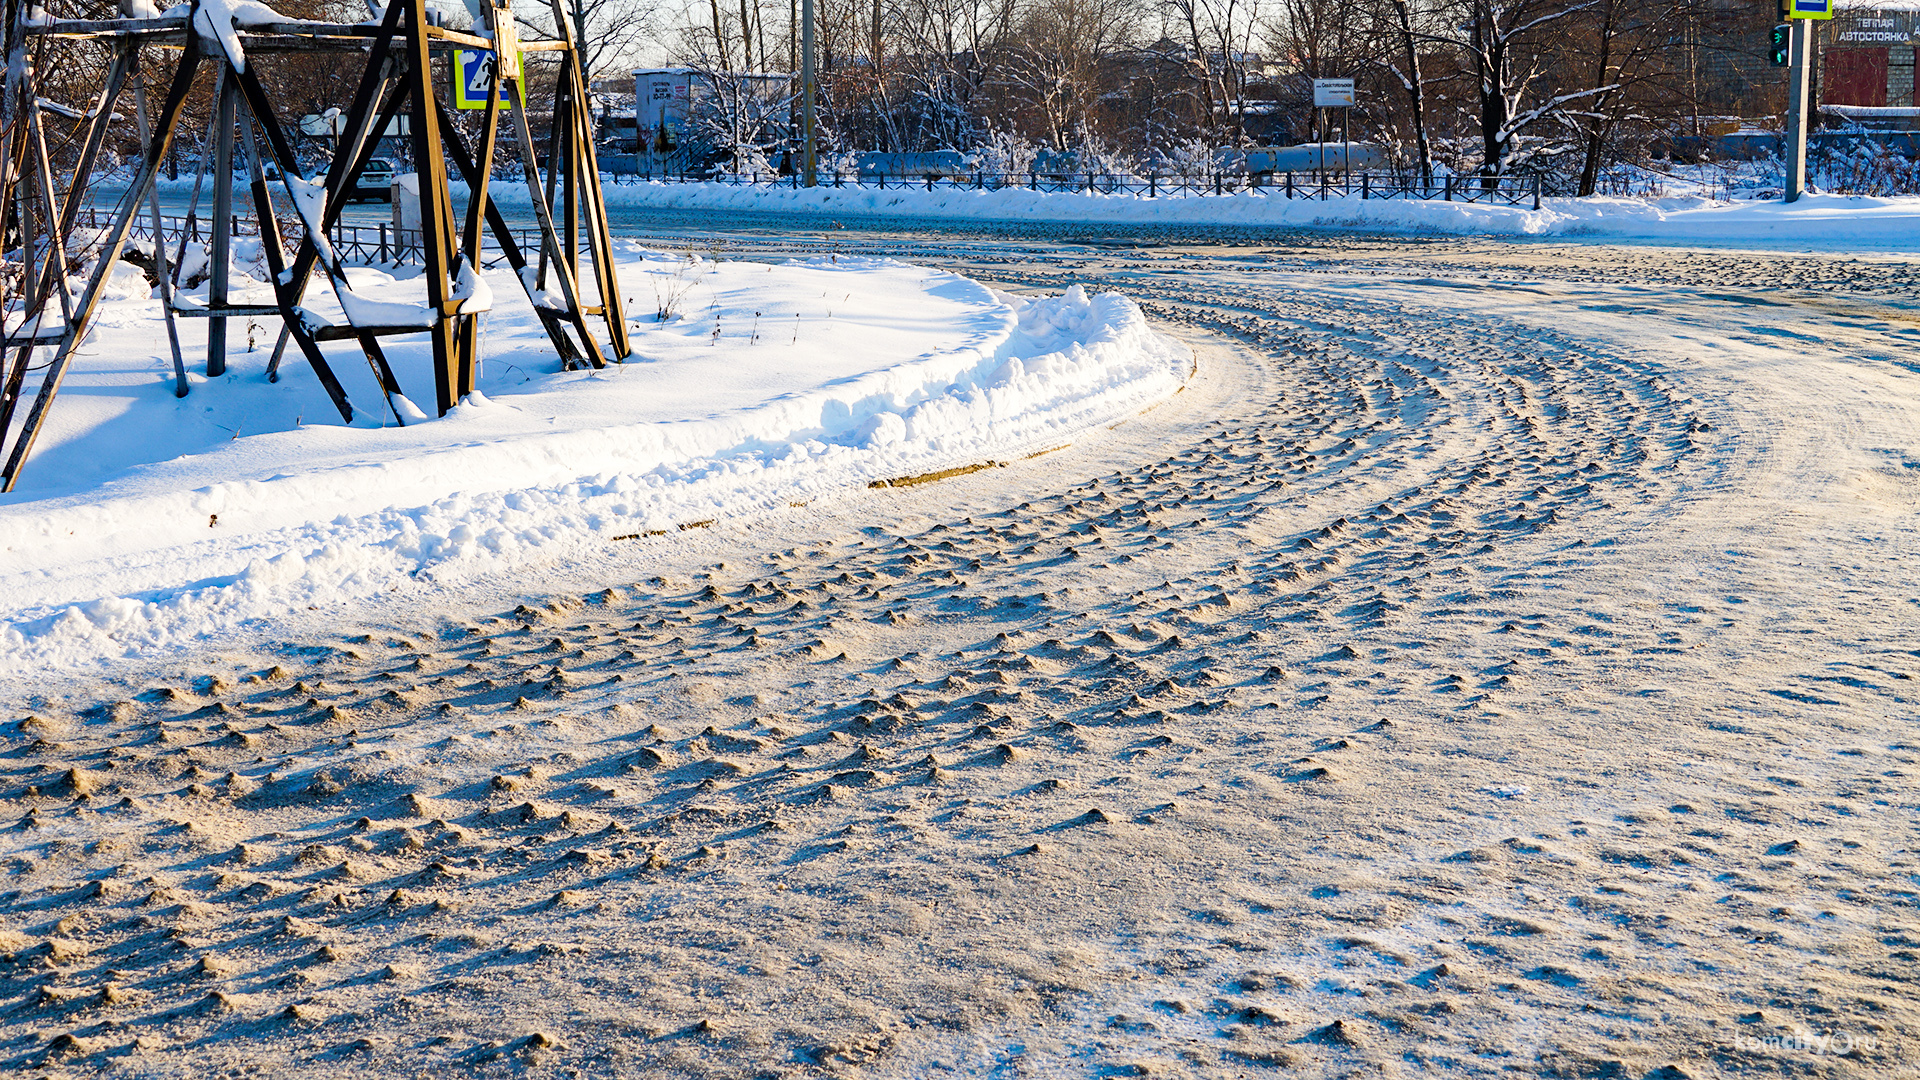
(503, 235)
(226, 310)
(72, 27)
(479, 200)
(288, 287)
(599, 237)
(375, 80)
(436, 207)
(543, 210)
(220, 259)
(160, 267)
(116, 239)
(100, 119)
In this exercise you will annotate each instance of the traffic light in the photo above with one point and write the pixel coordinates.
(1782, 52)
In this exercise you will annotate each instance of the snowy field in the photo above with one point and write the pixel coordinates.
(1496, 662)
(146, 521)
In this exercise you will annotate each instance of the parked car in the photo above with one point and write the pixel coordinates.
(374, 182)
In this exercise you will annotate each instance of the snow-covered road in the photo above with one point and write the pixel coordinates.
(1498, 660)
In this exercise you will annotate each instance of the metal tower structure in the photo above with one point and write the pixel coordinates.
(43, 321)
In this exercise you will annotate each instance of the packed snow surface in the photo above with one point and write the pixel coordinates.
(145, 520)
(1498, 662)
(1815, 220)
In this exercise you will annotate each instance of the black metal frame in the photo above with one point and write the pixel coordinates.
(398, 77)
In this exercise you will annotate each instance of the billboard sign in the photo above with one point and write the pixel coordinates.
(1338, 93)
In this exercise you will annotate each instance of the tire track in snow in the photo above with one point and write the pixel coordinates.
(1305, 722)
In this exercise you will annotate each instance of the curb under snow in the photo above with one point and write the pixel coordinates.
(106, 574)
(1823, 221)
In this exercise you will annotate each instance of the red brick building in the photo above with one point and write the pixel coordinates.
(1867, 57)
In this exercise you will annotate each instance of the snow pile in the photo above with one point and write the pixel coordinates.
(146, 521)
(1815, 220)
(219, 22)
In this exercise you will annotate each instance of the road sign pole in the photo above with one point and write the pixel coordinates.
(810, 150)
(1799, 83)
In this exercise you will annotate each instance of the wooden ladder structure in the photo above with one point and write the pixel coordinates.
(39, 315)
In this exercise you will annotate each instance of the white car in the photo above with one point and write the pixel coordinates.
(375, 181)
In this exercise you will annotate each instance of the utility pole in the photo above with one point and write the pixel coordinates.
(1799, 81)
(809, 150)
(1799, 14)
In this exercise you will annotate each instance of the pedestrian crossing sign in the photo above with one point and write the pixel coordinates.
(472, 73)
(1810, 9)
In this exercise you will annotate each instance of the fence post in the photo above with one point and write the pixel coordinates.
(1363, 186)
(383, 242)
(883, 181)
(1289, 183)
(1153, 186)
(1449, 187)
(1218, 182)
(929, 181)
(1536, 191)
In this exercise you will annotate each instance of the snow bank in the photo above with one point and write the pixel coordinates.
(147, 521)
(1851, 221)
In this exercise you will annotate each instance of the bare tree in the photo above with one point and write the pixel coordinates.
(948, 52)
(1505, 49)
(1636, 76)
(611, 34)
(1218, 32)
(1405, 67)
(1493, 85)
(1055, 64)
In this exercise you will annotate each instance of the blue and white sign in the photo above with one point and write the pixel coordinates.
(472, 74)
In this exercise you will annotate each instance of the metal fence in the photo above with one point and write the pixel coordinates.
(359, 244)
(383, 244)
(1505, 190)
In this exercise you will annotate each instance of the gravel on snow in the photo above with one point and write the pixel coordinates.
(1499, 659)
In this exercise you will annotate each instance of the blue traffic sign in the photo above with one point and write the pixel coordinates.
(472, 74)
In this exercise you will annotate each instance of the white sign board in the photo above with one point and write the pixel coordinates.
(1332, 93)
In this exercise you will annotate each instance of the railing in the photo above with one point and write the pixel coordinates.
(383, 244)
(361, 245)
(1504, 190)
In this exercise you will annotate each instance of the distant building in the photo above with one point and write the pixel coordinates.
(662, 98)
(1867, 63)
(666, 99)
